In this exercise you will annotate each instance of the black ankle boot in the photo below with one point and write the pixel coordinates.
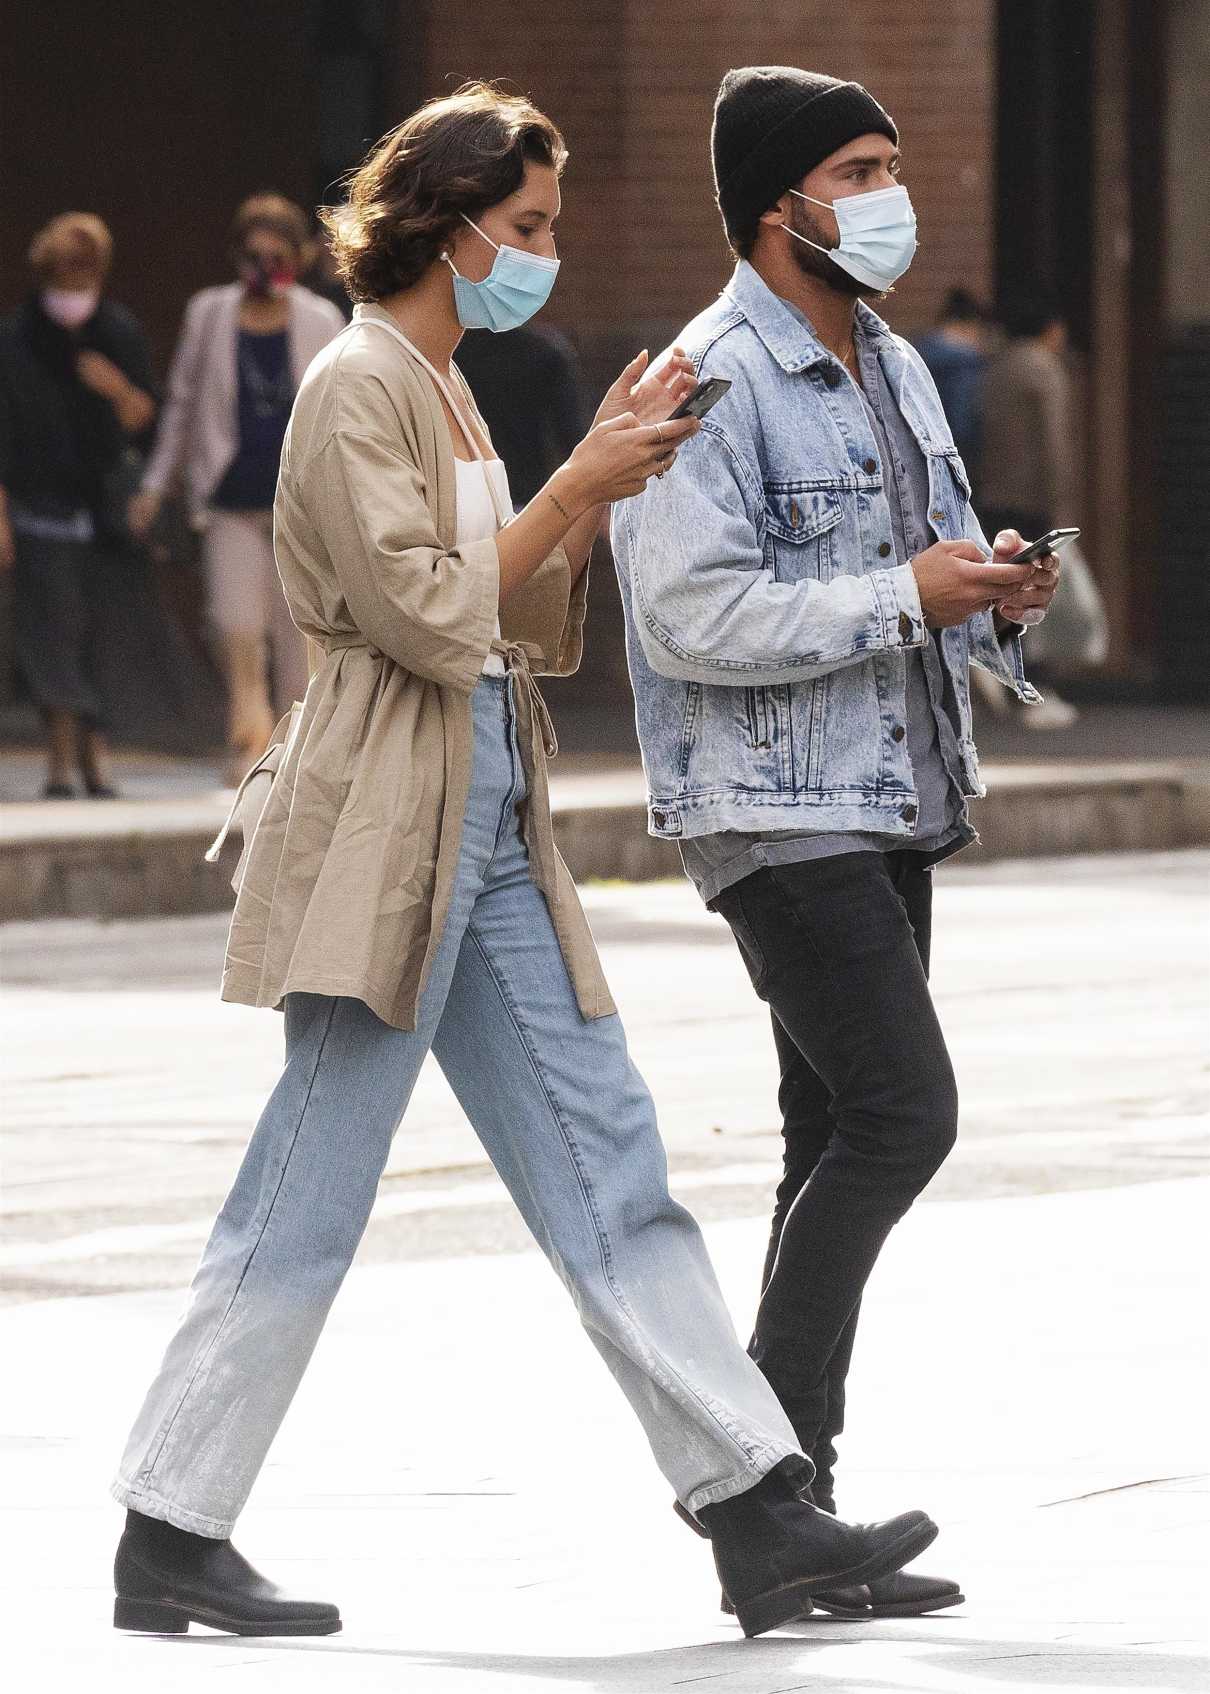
(903, 1594)
(771, 1548)
(166, 1578)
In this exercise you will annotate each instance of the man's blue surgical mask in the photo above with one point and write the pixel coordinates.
(517, 286)
(877, 234)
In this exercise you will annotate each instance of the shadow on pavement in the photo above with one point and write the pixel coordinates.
(997, 1659)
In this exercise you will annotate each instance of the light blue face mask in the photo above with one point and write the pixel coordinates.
(517, 286)
(877, 234)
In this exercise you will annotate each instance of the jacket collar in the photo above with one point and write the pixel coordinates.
(788, 337)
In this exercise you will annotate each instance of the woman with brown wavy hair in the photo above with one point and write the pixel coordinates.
(402, 893)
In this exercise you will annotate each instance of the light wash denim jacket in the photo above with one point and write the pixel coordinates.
(766, 629)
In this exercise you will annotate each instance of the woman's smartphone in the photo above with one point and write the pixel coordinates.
(1051, 542)
(705, 395)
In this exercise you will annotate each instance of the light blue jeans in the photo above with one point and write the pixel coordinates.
(569, 1125)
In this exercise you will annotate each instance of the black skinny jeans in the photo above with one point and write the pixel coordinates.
(839, 948)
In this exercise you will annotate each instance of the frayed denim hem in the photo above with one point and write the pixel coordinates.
(757, 1467)
(155, 1506)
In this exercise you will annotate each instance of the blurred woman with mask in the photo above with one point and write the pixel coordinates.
(75, 389)
(242, 352)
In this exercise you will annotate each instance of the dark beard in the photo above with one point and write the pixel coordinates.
(813, 263)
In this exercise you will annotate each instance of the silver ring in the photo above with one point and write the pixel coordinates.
(659, 434)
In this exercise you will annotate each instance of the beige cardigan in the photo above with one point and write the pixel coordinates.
(198, 427)
(349, 873)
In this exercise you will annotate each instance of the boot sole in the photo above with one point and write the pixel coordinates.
(165, 1617)
(907, 1608)
(842, 1614)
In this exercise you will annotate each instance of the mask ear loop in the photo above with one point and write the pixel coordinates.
(806, 240)
(828, 205)
(478, 231)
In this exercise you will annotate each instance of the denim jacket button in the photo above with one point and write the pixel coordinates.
(884, 549)
(870, 466)
(908, 814)
(832, 378)
(898, 733)
(906, 627)
(937, 516)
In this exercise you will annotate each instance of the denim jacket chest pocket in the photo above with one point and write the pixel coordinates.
(800, 528)
(949, 492)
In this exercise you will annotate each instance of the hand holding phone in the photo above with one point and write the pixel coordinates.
(1052, 542)
(705, 395)
(1037, 553)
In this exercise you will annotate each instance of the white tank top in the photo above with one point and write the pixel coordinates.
(484, 502)
(482, 492)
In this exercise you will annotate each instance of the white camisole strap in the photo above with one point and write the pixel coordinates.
(443, 386)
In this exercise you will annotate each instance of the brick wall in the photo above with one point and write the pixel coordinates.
(632, 85)
(568, 61)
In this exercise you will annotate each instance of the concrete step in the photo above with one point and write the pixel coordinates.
(143, 857)
(1030, 810)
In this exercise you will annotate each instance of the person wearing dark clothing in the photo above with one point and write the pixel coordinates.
(538, 367)
(956, 356)
(75, 391)
(805, 592)
(264, 395)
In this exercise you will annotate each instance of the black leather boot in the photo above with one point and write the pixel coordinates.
(165, 1579)
(906, 1595)
(851, 1603)
(772, 1550)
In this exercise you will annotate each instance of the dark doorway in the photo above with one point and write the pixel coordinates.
(1044, 156)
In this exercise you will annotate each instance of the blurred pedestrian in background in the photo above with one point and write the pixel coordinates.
(537, 366)
(241, 354)
(1028, 479)
(75, 392)
(955, 351)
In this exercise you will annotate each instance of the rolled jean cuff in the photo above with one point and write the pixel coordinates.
(153, 1505)
(758, 1466)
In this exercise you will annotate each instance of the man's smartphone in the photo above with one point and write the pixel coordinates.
(705, 395)
(1051, 542)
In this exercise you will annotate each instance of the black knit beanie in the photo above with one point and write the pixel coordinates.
(772, 125)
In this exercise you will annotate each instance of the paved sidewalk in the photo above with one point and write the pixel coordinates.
(461, 1475)
(1074, 995)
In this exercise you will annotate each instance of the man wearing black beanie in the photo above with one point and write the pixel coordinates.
(804, 590)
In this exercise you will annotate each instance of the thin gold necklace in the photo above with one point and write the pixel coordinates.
(849, 357)
(849, 360)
